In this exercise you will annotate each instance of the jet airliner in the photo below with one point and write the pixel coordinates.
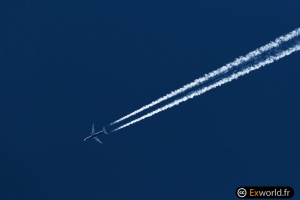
(94, 135)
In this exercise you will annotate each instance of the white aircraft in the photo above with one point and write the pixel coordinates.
(94, 135)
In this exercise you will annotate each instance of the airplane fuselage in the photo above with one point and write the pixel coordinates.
(93, 135)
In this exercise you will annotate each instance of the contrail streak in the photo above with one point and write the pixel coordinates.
(218, 72)
(231, 77)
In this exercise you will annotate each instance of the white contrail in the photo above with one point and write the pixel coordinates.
(233, 76)
(217, 72)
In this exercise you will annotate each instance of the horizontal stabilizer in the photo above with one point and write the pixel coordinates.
(104, 130)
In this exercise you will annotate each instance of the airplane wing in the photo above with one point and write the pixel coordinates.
(97, 139)
(93, 129)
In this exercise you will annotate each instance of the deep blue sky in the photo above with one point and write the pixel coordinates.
(67, 64)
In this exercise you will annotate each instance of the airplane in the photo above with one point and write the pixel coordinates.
(94, 135)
